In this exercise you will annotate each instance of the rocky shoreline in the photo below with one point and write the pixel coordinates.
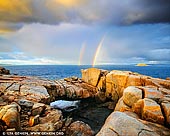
(114, 103)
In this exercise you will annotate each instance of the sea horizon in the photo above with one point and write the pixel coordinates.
(62, 71)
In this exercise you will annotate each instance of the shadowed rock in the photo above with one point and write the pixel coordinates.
(4, 71)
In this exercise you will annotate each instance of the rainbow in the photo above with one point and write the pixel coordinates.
(98, 51)
(82, 50)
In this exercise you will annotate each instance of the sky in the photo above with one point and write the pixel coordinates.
(80, 32)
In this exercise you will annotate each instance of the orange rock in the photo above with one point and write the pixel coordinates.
(34, 120)
(102, 83)
(152, 93)
(111, 89)
(159, 129)
(151, 111)
(121, 106)
(53, 116)
(10, 115)
(133, 80)
(35, 90)
(79, 128)
(164, 83)
(166, 109)
(91, 75)
(120, 124)
(131, 95)
(137, 107)
(11, 98)
(46, 127)
(146, 81)
(165, 91)
(115, 84)
(168, 78)
(37, 109)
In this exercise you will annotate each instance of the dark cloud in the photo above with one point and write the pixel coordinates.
(153, 11)
(57, 29)
(85, 11)
(9, 27)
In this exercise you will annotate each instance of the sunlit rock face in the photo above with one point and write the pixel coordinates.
(91, 76)
(26, 100)
(11, 116)
(139, 104)
(119, 123)
(114, 82)
(145, 96)
(131, 95)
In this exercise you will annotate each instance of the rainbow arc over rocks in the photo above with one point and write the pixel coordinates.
(98, 51)
(82, 50)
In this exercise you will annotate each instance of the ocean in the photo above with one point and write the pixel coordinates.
(62, 71)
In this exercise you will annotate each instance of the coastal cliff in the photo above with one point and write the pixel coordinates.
(139, 104)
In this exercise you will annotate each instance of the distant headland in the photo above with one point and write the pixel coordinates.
(141, 64)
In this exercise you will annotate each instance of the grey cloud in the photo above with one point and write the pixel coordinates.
(159, 54)
(44, 40)
(9, 27)
(94, 12)
(62, 43)
(148, 11)
(5, 45)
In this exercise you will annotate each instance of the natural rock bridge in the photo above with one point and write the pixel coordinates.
(141, 104)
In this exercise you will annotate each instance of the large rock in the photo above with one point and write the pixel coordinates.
(121, 106)
(137, 107)
(152, 93)
(163, 83)
(52, 116)
(35, 93)
(4, 71)
(37, 109)
(79, 128)
(159, 129)
(43, 90)
(10, 115)
(120, 124)
(164, 91)
(25, 103)
(134, 80)
(166, 109)
(152, 111)
(74, 90)
(5, 85)
(13, 89)
(115, 84)
(131, 95)
(46, 127)
(91, 76)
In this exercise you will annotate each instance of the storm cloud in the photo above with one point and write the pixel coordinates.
(83, 12)
(53, 31)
